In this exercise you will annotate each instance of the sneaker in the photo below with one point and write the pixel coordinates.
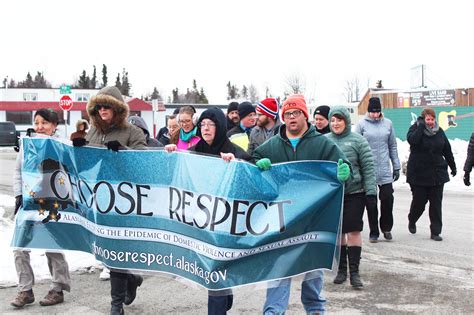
(373, 239)
(105, 274)
(23, 298)
(412, 227)
(387, 235)
(436, 238)
(52, 298)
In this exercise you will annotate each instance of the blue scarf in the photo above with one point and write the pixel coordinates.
(186, 136)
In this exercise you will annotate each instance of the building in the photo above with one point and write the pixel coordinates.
(454, 108)
(20, 104)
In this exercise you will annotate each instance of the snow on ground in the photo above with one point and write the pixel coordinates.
(76, 260)
(456, 183)
(80, 260)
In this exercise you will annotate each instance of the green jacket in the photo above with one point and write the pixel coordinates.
(358, 151)
(312, 146)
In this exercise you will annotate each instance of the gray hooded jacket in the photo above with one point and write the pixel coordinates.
(381, 137)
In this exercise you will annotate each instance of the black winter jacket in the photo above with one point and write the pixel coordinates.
(470, 155)
(429, 157)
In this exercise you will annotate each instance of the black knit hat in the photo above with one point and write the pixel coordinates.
(374, 105)
(245, 108)
(322, 110)
(232, 106)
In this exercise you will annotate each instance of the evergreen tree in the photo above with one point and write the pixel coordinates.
(229, 90)
(232, 91)
(203, 97)
(245, 92)
(28, 83)
(5, 82)
(155, 95)
(175, 96)
(84, 81)
(118, 84)
(12, 83)
(104, 75)
(40, 81)
(94, 79)
(125, 90)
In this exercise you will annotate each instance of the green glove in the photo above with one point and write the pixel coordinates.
(264, 164)
(343, 171)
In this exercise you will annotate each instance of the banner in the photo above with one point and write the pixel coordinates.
(217, 224)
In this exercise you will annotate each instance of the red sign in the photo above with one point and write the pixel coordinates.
(65, 103)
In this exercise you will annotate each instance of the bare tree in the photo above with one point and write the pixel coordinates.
(352, 90)
(295, 84)
(253, 94)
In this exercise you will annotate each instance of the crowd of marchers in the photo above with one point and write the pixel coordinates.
(266, 134)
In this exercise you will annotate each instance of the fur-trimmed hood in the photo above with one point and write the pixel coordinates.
(109, 95)
(82, 122)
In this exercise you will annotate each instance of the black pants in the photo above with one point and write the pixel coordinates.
(219, 304)
(421, 195)
(386, 211)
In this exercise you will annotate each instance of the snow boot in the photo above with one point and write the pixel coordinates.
(342, 271)
(353, 252)
(133, 282)
(118, 291)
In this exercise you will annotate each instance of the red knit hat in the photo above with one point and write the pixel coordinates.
(295, 101)
(268, 107)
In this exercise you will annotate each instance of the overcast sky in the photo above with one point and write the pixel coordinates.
(169, 43)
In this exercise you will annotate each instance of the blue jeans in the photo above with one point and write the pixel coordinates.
(278, 296)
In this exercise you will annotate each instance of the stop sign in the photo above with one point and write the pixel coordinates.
(65, 103)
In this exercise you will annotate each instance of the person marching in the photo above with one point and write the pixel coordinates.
(108, 113)
(321, 122)
(360, 185)
(379, 132)
(45, 124)
(430, 155)
(232, 115)
(469, 162)
(81, 129)
(267, 123)
(240, 134)
(186, 137)
(212, 130)
(298, 140)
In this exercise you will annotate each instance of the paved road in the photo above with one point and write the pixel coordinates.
(410, 275)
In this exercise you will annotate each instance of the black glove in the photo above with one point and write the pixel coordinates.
(113, 145)
(79, 142)
(421, 122)
(396, 175)
(371, 201)
(453, 172)
(466, 179)
(18, 203)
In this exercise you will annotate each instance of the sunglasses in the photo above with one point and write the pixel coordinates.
(100, 106)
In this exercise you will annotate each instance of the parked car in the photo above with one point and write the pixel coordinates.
(9, 136)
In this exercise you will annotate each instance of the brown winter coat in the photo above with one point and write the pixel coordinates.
(120, 129)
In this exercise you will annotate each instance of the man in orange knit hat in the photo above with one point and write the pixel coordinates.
(298, 140)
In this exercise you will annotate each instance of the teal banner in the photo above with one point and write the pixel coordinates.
(217, 224)
(456, 121)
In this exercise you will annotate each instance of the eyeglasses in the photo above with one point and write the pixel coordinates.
(209, 125)
(100, 106)
(295, 114)
(185, 122)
